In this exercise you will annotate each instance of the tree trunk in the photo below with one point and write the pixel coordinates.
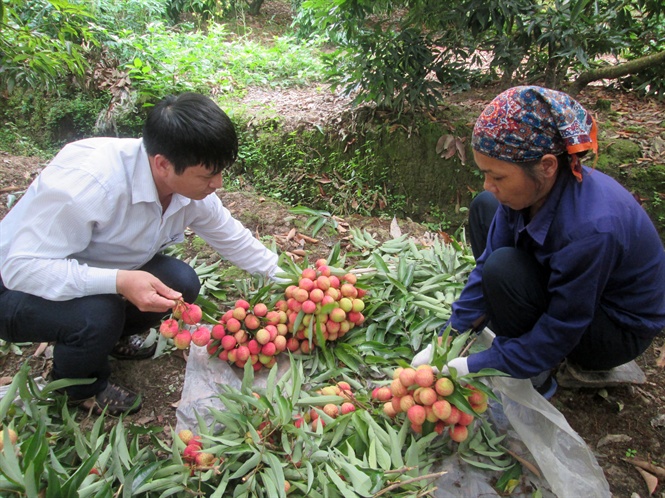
(617, 71)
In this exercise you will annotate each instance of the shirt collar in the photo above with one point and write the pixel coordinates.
(143, 184)
(540, 224)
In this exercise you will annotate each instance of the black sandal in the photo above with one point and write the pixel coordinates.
(131, 348)
(115, 399)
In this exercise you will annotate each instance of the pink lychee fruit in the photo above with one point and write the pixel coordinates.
(201, 336)
(260, 309)
(218, 331)
(169, 328)
(192, 314)
(241, 303)
(416, 414)
(183, 339)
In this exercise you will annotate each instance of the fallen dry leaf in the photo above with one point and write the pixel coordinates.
(650, 479)
(642, 464)
(41, 348)
(6, 380)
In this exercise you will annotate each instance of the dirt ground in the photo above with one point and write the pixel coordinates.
(619, 424)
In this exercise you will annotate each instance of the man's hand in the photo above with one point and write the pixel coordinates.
(145, 291)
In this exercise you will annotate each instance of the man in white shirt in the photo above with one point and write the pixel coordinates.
(80, 261)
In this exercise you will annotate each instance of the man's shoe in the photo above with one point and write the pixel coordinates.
(131, 348)
(114, 399)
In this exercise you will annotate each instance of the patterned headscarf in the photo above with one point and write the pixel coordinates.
(526, 122)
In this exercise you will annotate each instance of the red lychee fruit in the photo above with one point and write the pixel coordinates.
(293, 344)
(262, 336)
(348, 290)
(272, 317)
(428, 396)
(454, 416)
(190, 452)
(212, 348)
(389, 410)
(242, 353)
(477, 398)
(350, 278)
(183, 339)
(280, 343)
(309, 273)
(338, 315)
(444, 386)
(201, 336)
(384, 394)
(301, 295)
(397, 388)
(281, 305)
(309, 307)
(465, 418)
(356, 317)
(192, 314)
(218, 331)
(260, 309)
(458, 433)
(331, 410)
(229, 342)
(424, 376)
(204, 459)
(239, 313)
(441, 409)
(169, 328)
(232, 325)
(416, 414)
(269, 349)
(316, 296)
(320, 262)
(482, 408)
(252, 322)
(406, 402)
(241, 303)
(179, 307)
(323, 282)
(306, 284)
(407, 377)
(347, 408)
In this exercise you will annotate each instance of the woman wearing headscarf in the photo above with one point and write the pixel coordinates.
(569, 265)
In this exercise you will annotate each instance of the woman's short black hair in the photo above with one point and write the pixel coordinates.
(190, 129)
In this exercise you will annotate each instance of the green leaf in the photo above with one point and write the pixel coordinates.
(250, 464)
(341, 485)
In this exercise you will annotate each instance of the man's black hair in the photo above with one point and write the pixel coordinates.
(190, 129)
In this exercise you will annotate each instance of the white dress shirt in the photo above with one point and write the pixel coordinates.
(95, 210)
